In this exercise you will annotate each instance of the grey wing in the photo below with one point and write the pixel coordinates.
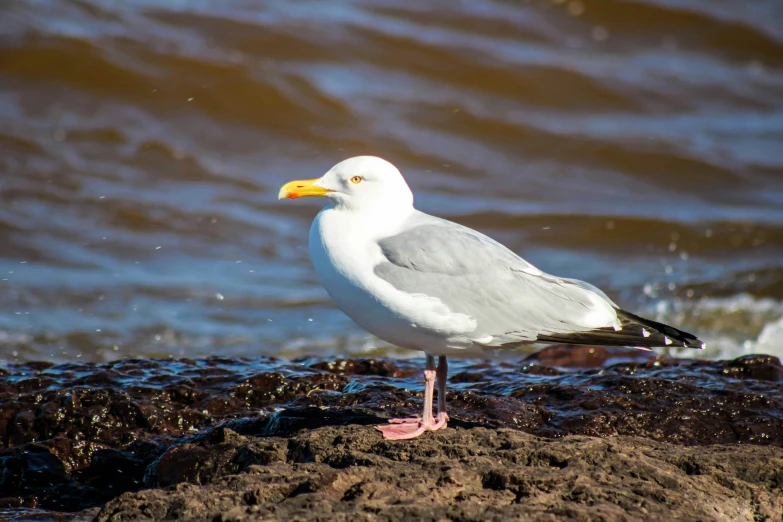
(511, 300)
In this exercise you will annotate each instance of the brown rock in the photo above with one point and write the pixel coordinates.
(350, 473)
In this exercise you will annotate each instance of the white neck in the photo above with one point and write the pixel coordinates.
(371, 220)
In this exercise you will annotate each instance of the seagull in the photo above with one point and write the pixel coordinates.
(424, 283)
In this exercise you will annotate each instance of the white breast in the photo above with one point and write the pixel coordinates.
(344, 251)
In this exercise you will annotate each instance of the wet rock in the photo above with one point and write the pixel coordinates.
(761, 367)
(565, 356)
(34, 473)
(384, 368)
(76, 436)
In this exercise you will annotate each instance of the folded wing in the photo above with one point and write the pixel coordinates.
(512, 301)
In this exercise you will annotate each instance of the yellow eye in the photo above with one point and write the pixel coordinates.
(356, 179)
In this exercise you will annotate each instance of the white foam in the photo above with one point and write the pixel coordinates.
(771, 337)
(730, 326)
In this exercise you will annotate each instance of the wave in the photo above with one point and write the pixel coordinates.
(731, 326)
(634, 144)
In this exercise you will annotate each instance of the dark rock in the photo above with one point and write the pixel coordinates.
(761, 367)
(384, 368)
(222, 452)
(75, 436)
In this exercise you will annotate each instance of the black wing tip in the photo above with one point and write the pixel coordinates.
(660, 331)
(636, 331)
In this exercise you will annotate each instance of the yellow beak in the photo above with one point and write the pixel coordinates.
(300, 189)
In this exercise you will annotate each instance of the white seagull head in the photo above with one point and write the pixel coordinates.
(359, 183)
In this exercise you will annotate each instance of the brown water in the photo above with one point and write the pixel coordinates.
(634, 144)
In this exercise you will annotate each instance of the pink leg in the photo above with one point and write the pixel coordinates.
(400, 429)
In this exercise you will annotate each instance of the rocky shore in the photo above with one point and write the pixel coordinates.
(577, 434)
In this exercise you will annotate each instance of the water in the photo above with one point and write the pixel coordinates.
(636, 145)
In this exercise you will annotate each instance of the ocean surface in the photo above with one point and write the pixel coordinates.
(637, 145)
